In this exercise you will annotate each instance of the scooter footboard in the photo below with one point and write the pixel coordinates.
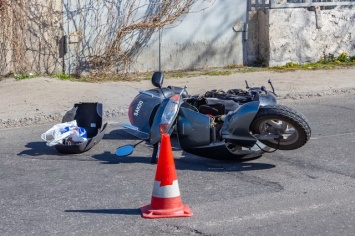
(236, 125)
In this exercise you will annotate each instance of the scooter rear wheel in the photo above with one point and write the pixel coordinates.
(281, 120)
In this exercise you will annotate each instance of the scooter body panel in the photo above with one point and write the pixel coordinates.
(236, 125)
(220, 151)
(143, 107)
(193, 129)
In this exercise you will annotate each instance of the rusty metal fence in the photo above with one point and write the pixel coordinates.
(269, 4)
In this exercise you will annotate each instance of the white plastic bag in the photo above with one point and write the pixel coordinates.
(58, 132)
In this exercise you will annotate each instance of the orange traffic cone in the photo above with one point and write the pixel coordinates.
(166, 201)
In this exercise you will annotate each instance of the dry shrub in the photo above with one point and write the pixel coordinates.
(108, 32)
(29, 36)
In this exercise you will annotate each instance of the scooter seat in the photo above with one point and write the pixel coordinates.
(229, 105)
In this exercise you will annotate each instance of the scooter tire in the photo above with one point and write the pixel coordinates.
(271, 116)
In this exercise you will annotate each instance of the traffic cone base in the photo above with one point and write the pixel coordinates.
(152, 212)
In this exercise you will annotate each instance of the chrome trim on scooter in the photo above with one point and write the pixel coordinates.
(147, 93)
(135, 132)
(128, 126)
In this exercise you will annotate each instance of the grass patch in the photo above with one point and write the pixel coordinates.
(24, 76)
(313, 66)
(180, 75)
(218, 73)
(229, 70)
(328, 62)
(63, 76)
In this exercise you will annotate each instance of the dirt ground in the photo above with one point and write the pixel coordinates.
(45, 100)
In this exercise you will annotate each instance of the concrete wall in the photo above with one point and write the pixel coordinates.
(5, 44)
(206, 37)
(5, 57)
(302, 36)
(201, 40)
(43, 37)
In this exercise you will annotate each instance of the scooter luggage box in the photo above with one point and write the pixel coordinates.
(88, 116)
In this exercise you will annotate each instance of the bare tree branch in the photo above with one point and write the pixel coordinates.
(109, 32)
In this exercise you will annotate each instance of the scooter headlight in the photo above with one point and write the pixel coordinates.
(169, 114)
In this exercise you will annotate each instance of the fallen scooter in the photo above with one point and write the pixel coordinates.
(236, 124)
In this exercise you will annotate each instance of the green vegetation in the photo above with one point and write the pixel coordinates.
(216, 73)
(179, 74)
(24, 76)
(343, 57)
(63, 76)
(73, 78)
(327, 62)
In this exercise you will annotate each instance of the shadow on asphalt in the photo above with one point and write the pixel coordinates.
(111, 158)
(221, 166)
(39, 149)
(109, 211)
(190, 163)
(119, 134)
(185, 162)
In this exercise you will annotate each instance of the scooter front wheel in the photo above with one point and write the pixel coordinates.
(278, 120)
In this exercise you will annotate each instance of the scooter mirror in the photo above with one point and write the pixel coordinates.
(124, 150)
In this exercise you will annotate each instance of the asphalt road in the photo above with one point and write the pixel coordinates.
(309, 191)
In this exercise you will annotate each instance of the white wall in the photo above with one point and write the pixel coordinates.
(299, 35)
(200, 40)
